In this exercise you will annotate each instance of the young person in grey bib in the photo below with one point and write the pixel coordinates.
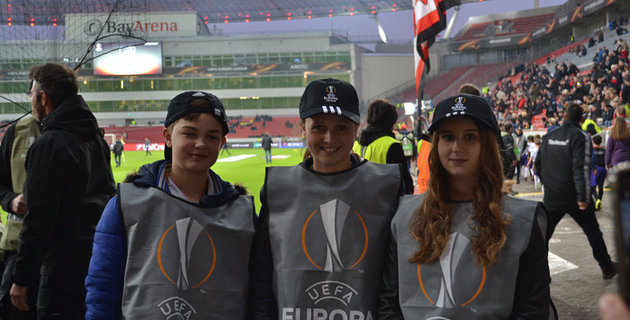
(174, 243)
(323, 225)
(463, 250)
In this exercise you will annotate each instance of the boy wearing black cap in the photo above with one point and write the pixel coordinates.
(175, 240)
(325, 221)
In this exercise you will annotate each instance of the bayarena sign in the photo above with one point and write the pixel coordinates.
(93, 27)
(154, 24)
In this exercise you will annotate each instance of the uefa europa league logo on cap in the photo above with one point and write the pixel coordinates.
(330, 96)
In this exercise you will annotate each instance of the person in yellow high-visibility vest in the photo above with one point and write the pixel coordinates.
(590, 126)
(377, 142)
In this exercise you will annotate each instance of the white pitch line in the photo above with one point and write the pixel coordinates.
(558, 265)
(236, 158)
(280, 156)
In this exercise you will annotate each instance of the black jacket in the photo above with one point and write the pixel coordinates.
(118, 147)
(266, 142)
(68, 183)
(563, 163)
(395, 153)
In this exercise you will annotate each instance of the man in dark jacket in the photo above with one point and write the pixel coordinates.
(563, 164)
(118, 150)
(68, 183)
(266, 142)
(509, 157)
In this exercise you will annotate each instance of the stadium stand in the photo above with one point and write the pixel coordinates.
(475, 31)
(480, 75)
(586, 62)
(434, 86)
(243, 127)
(505, 27)
(240, 127)
(596, 89)
(529, 24)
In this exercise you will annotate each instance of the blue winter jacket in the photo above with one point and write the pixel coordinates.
(105, 277)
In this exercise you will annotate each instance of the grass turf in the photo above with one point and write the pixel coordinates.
(249, 172)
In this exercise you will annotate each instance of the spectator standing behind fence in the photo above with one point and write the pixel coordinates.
(377, 142)
(266, 142)
(15, 143)
(618, 145)
(118, 150)
(563, 164)
(68, 183)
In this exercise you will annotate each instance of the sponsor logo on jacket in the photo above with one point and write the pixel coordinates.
(461, 279)
(334, 240)
(186, 256)
(344, 233)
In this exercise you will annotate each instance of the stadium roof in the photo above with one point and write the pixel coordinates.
(28, 11)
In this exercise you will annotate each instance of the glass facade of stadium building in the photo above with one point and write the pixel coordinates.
(259, 73)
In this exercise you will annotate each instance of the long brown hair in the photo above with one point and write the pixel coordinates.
(431, 222)
(619, 130)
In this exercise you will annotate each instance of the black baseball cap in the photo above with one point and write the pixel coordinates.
(330, 96)
(465, 105)
(180, 107)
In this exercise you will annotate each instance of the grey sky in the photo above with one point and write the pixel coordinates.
(398, 26)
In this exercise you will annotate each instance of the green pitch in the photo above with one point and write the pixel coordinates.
(249, 172)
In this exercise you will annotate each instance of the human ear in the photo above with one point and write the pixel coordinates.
(167, 137)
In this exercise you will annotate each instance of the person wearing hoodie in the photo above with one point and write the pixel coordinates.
(176, 239)
(68, 183)
(377, 142)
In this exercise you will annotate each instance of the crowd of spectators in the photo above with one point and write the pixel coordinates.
(532, 89)
(619, 26)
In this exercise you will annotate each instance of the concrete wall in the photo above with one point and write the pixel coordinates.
(382, 72)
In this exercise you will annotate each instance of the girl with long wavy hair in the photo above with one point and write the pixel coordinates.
(464, 250)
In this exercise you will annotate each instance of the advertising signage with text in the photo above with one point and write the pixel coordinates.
(154, 24)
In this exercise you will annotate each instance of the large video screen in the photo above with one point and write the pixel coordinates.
(112, 59)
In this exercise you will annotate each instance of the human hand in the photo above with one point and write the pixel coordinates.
(18, 297)
(582, 205)
(611, 307)
(18, 205)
